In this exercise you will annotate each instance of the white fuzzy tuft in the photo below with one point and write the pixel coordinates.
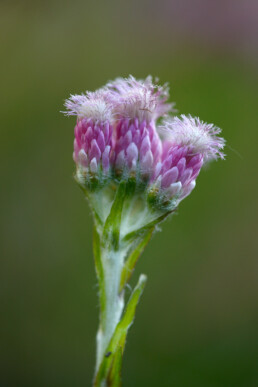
(138, 98)
(95, 109)
(92, 105)
(192, 132)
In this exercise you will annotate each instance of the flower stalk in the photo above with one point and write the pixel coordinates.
(134, 173)
(115, 257)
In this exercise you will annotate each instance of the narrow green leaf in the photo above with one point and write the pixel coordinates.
(134, 234)
(117, 342)
(99, 270)
(133, 257)
(114, 376)
(112, 225)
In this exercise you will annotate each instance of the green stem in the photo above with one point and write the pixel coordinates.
(123, 227)
(109, 258)
(109, 372)
(112, 308)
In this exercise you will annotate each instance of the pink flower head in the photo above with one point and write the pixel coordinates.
(93, 131)
(116, 135)
(137, 105)
(188, 144)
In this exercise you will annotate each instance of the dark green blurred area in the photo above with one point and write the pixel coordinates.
(196, 324)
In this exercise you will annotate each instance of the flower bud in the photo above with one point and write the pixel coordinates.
(93, 133)
(137, 105)
(116, 136)
(188, 144)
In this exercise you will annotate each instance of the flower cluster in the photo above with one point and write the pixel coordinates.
(125, 130)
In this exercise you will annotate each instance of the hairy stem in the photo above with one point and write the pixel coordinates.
(123, 227)
(114, 300)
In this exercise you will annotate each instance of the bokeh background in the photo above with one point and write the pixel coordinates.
(197, 321)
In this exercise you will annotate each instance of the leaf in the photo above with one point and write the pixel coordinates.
(134, 234)
(136, 251)
(111, 229)
(99, 270)
(112, 362)
(114, 376)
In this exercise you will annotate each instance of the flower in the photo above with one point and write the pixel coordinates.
(137, 105)
(117, 135)
(189, 143)
(93, 131)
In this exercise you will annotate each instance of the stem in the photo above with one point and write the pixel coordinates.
(111, 259)
(114, 300)
(109, 373)
(123, 227)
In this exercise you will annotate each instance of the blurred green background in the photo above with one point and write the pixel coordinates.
(197, 321)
